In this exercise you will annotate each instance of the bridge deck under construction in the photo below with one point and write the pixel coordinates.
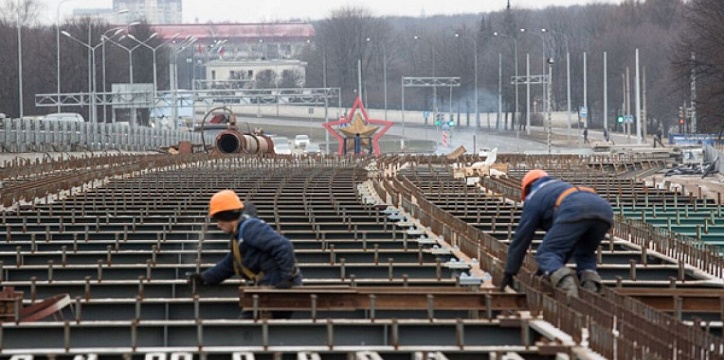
(400, 259)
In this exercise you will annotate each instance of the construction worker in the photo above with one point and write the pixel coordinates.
(258, 253)
(575, 219)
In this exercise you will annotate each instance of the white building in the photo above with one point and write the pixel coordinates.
(224, 71)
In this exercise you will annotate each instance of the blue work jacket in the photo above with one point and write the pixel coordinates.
(539, 212)
(262, 250)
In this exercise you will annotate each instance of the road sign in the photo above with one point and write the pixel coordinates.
(584, 111)
(629, 118)
(425, 114)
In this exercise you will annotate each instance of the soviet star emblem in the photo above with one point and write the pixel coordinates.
(358, 123)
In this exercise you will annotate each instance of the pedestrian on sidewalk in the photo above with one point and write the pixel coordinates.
(659, 134)
(585, 136)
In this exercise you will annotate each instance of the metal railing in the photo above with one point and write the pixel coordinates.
(31, 135)
(664, 337)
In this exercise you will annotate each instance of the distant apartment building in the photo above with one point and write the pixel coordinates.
(154, 11)
(128, 11)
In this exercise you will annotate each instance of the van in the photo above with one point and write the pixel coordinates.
(72, 117)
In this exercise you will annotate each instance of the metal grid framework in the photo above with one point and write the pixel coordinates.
(388, 265)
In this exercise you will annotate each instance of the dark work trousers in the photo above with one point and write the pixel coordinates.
(565, 240)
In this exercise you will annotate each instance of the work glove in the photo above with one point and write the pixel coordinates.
(286, 283)
(250, 210)
(507, 281)
(194, 279)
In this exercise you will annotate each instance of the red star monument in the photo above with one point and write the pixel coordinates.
(354, 124)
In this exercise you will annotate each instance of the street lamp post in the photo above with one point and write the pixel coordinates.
(173, 76)
(57, 50)
(475, 60)
(103, 63)
(153, 51)
(92, 74)
(384, 72)
(117, 30)
(568, 78)
(550, 103)
(130, 66)
(434, 89)
(515, 60)
(20, 62)
(545, 55)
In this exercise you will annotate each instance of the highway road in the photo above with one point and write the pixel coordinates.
(472, 140)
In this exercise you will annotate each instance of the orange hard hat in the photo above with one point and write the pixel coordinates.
(224, 200)
(528, 179)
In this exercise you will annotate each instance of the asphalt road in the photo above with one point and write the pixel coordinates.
(506, 142)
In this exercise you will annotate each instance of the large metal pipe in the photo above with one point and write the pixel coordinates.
(232, 142)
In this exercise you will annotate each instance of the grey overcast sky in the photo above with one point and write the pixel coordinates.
(279, 10)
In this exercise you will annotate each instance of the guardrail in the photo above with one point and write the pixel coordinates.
(31, 135)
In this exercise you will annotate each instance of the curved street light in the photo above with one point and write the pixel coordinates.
(153, 51)
(92, 72)
(130, 65)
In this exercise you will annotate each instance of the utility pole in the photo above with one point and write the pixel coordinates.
(628, 103)
(605, 91)
(527, 89)
(644, 117)
(637, 98)
(550, 103)
(692, 113)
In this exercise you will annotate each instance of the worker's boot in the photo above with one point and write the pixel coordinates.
(565, 279)
(591, 281)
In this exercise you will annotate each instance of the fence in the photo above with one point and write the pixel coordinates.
(32, 135)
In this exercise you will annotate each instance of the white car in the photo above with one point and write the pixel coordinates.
(282, 149)
(312, 148)
(72, 117)
(301, 141)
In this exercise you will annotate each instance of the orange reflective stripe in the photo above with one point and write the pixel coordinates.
(570, 191)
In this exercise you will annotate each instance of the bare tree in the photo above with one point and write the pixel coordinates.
(266, 79)
(344, 39)
(26, 12)
(290, 79)
(702, 36)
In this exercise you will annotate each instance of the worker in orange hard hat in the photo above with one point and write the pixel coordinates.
(258, 253)
(575, 219)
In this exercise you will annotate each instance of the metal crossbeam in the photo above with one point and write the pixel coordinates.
(533, 80)
(380, 298)
(292, 96)
(409, 81)
(139, 99)
(679, 300)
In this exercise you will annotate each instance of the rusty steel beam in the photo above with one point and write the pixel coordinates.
(685, 300)
(380, 298)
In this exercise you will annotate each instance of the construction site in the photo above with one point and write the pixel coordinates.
(402, 257)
